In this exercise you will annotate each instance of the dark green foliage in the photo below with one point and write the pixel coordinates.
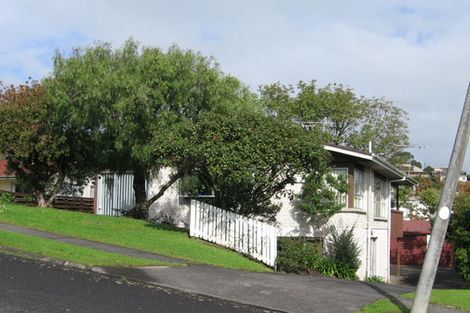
(328, 267)
(245, 157)
(428, 169)
(459, 233)
(430, 198)
(346, 118)
(6, 198)
(375, 279)
(343, 249)
(462, 259)
(297, 255)
(120, 97)
(45, 151)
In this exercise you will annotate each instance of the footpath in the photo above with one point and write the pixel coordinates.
(275, 291)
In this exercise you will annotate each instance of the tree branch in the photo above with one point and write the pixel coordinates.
(173, 179)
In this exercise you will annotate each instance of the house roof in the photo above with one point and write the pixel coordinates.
(417, 227)
(3, 169)
(378, 164)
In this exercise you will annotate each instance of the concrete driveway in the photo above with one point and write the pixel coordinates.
(284, 292)
(445, 278)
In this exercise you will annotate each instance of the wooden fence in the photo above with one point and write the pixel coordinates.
(61, 202)
(245, 235)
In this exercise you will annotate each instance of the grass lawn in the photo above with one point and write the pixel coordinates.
(458, 298)
(68, 252)
(127, 232)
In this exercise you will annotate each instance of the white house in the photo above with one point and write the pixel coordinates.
(367, 205)
(366, 208)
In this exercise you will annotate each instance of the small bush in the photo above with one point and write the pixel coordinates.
(7, 198)
(375, 279)
(297, 255)
(344, 251)
(462, 259)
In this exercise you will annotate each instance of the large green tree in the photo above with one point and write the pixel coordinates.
(45, 153)
(246, 157)
(120, 95)
(347, 118)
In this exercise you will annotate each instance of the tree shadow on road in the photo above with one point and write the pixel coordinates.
(394, 299)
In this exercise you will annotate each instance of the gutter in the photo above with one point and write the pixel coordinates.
(387, 165)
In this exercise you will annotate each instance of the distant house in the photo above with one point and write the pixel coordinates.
(441, 173)
(7, 180)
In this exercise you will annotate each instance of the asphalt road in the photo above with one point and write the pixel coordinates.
(33, 286)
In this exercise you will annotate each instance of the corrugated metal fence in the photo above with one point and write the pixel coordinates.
(242, 234)
(115, 193)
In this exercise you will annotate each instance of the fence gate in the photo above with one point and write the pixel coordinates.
(115, 193)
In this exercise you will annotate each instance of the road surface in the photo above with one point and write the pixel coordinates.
(33, 286)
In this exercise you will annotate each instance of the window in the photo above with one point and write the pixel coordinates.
(380, 197)
(341, 198)
(359, 189)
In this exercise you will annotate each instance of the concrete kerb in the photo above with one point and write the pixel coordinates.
(242, 281)
(106, 271)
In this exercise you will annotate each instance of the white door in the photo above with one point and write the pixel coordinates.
(373, 257)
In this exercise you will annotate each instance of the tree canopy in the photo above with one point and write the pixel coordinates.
(347, 118)
(46, 155)
(118, 96)
(245, 157)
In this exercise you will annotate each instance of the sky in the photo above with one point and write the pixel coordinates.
(414, 53)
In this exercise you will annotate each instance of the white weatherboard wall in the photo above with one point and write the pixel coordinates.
(246, 235)
(7, 184)
(294, 223)
(169, 207)
(115, 194)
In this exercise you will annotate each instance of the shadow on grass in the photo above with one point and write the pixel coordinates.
(401, 306)
(166, 227)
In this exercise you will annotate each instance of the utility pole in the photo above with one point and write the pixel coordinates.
(441, 221)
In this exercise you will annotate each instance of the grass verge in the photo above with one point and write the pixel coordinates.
(127, 232)
(68, 252)
(456, 298)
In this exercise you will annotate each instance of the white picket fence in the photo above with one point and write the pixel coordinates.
(242, 234)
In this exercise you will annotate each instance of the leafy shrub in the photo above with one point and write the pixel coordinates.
(7, 198)
(297, 255)
(462, 259)
(375, 279)
(343, 249)
(459, 233)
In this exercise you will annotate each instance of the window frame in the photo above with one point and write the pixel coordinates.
(359, 198)
(380, 210)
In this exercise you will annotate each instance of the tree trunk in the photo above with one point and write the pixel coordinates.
(139, 187)
(42, 201)
(171, 181)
